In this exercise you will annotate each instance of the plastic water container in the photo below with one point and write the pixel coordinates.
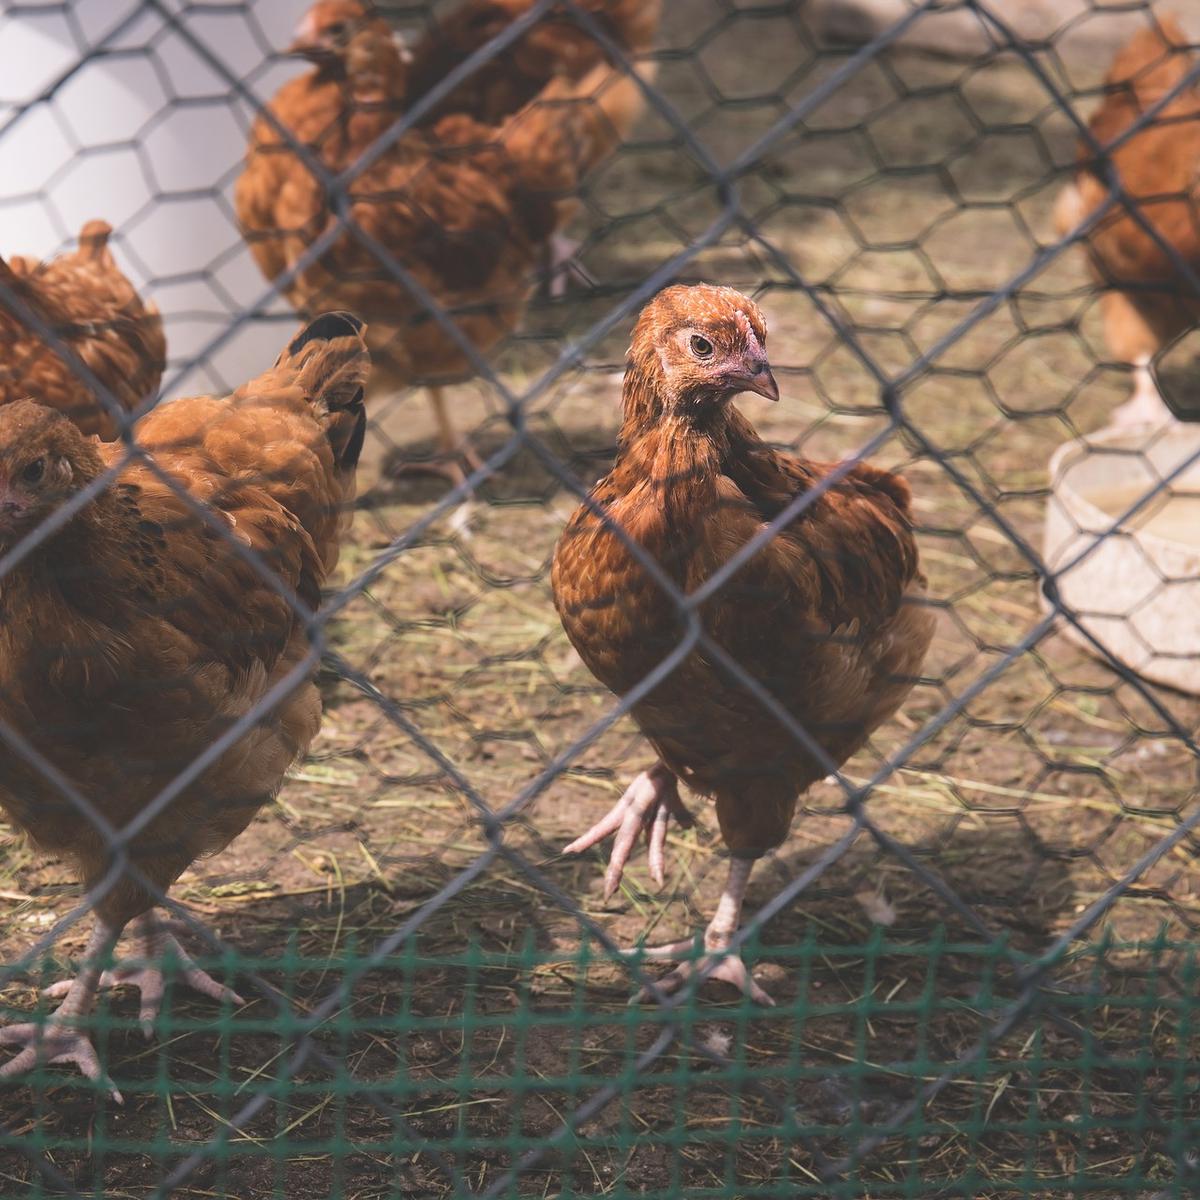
(1137, 587)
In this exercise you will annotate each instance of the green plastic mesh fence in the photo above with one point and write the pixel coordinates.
(896, 1067)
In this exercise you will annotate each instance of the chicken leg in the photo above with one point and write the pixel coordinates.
(55, 1041)
(718, 935)
(153, 940)
(453, 449)
(450, 442)
(562, 268)
(649, 803)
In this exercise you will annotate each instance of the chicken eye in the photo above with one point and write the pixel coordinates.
(701, 346)
(33, 472)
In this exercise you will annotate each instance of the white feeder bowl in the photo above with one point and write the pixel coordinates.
(1138, 591)
(139, 130)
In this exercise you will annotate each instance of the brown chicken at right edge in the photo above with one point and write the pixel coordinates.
(827, 616)
(1146, 301)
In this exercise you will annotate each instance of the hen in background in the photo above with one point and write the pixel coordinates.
(1146, 301)
(90, 305)
(140, 633)
(466, 207)
(554, 46)
(826, 616)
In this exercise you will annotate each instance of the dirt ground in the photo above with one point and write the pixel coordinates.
(903, 199)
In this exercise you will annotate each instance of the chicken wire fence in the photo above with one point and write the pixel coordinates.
(980, 933)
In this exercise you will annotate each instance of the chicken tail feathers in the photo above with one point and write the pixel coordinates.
(347, 433)
(324, 328)
(93, 240)
(9, 279)
(572, 125)
(332, 365)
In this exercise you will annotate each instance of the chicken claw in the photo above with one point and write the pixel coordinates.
(52, 1044)
(728, 967)
(648, 804)
(717, 962)
(56, 1041)
(155, 941)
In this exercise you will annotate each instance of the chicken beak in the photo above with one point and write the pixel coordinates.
(313, 51)
(763, 384)
(12, 510)
(757, 378)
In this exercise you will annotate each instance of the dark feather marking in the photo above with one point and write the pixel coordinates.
(326, 327)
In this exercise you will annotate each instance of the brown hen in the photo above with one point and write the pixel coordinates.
(554, 46)
(465, 208)
(156, 618)
(91, 307)
(1146, 301)
(826, 616)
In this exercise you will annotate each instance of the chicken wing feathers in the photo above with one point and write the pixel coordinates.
(463, 206)
(554, 47)
(93, 308)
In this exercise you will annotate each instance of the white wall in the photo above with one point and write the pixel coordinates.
(149, 136)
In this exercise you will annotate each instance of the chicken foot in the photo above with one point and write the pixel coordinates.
(649, 803)
(453, 449)
(55, 1041)
(716, 962)
(154, 939)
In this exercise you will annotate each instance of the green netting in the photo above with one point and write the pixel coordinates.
(466, 1074)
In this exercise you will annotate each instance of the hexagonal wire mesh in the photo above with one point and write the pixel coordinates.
(979, 931)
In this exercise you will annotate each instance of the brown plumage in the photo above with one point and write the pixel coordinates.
(90, 305)
(1146, 302)
(826, 616)
(137, 634)
(554, 46)
(465, 207)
